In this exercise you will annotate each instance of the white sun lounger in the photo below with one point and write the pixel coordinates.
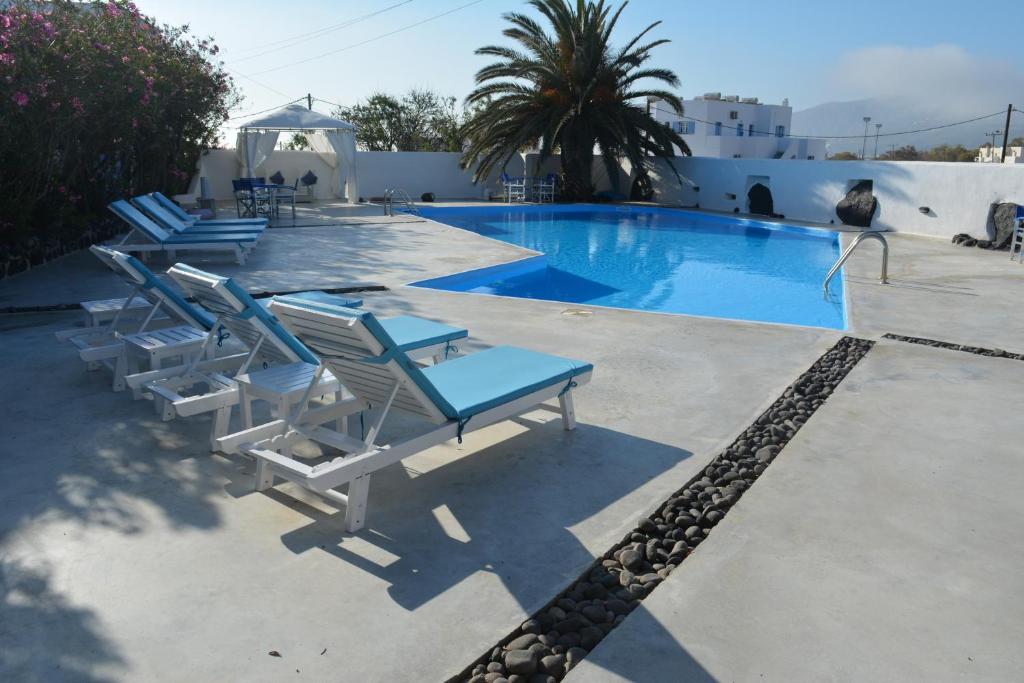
(170, 222)
(457, 396)
(127, 353)
(286, 364)
(189, 219)
(158, 239)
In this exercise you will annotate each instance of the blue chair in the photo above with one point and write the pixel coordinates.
(456, 397)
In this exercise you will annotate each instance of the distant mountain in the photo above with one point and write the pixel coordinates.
(895, 115)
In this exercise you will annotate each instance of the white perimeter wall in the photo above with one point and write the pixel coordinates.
(415, 172)
(958, 194)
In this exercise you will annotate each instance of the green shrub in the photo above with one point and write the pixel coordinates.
(97, 102)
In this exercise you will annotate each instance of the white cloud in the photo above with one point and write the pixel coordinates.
(941, 77)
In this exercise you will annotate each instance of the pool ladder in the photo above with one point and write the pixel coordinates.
(884, 278)
(398, 194)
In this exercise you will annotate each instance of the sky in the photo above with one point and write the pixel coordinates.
(953, 54)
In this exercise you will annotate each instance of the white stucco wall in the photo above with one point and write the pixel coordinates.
(415, 172)
(958, 195)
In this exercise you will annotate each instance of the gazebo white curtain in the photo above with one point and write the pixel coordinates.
(333, 140)
(332, 146)
(254, 147)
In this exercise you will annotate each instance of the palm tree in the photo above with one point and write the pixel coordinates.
(571, 91)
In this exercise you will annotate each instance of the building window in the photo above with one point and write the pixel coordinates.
(689, 127)
(739, 130)
(780, 131)
(718, 128)
(750, 130)
(734, 115)
(810, 157)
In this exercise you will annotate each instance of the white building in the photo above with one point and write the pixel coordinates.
(994, 155)
(733, 128)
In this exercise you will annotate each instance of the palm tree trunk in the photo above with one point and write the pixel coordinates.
(577, 163)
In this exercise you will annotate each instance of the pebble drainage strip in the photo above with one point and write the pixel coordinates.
(546, 646)
(977, 350)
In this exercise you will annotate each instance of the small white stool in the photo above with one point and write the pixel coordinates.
(284, 386)
(104, 310)
(144, 351)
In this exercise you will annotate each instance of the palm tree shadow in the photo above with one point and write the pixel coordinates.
(508, 509)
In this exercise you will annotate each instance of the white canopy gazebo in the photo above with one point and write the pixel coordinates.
(332, 139)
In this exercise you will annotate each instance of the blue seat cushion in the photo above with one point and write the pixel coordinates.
(410, 332)
(480, 381)
(200, 238)
(318, 297)
(218, 229)
(232, 222)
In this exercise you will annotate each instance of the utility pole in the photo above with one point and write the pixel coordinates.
(309, 101)
(892, 152)
(1006, 131)
(992, 149)
(864, 146)
(878, 127)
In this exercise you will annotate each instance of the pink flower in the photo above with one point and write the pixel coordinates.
(135, 123)
(5, 21)
(6, 58)
(20, 98)
(124, 60)
(77, 105)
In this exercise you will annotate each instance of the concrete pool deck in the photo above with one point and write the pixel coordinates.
(129, 552)
(877, 547)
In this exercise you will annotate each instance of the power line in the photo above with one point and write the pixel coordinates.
(264, 111)
(333, 104)
(833, 137)
(296, 39)
(259, 83)
(369, 40)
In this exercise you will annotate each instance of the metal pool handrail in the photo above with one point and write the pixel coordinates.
(884, 278)
(403, 196)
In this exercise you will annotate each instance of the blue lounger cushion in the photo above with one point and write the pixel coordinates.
(410, 332)
(468, 385)
(145, 225)
(168, 221)
(200, 314)
(318, 296)
(480, 381)
(186, 217)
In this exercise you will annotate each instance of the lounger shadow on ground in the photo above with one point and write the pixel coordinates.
(660, 658)
(508, 508)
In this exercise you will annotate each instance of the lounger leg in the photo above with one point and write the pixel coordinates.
(342, 424)
(264, 475)
(568, 411)
(120, 370)
(245, 401)
(355, 511)
(221, 421)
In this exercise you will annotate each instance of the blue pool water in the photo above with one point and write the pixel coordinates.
(653, 259)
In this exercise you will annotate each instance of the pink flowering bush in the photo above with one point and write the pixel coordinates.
(97, 102)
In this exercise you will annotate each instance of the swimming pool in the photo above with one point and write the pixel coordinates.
(655, 259)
